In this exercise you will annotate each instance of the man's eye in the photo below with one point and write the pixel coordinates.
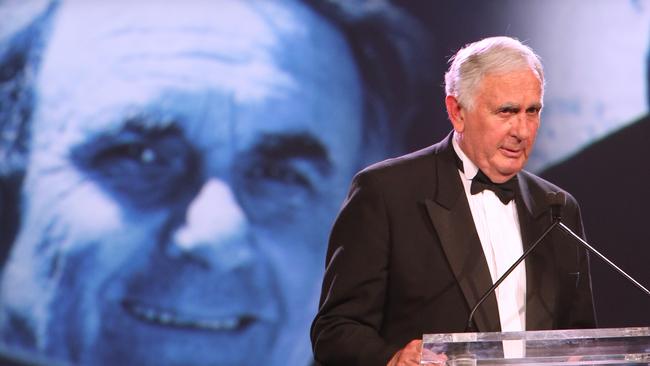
(507, 111)
(533, 110)
(145, 168)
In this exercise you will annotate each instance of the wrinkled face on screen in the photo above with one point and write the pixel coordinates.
(186, 163)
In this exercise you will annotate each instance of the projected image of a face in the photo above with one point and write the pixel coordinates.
(185, 165)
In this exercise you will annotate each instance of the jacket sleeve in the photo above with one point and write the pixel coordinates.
(346, 330)
(581, 313)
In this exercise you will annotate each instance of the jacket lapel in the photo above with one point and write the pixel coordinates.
(451, 216)
(533, 220)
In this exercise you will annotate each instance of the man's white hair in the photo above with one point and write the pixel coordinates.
(493, 55)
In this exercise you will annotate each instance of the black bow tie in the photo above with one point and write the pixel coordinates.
(505, 191)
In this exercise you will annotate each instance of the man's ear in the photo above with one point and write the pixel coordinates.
(455, 112)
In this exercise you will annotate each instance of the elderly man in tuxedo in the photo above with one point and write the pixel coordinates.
(420, 238)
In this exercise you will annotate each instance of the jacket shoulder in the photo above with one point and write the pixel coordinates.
(417, 162)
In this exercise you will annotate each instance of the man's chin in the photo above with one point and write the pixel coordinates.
(510, 167)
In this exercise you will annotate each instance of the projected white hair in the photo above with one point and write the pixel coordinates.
(492, 55)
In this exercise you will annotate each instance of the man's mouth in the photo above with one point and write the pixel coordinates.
(511, 153)
(170, 318)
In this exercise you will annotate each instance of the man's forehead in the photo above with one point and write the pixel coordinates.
(515, 83)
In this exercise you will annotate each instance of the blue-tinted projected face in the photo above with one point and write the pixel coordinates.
(187, 161)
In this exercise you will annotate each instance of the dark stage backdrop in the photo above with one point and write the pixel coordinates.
(169, 170)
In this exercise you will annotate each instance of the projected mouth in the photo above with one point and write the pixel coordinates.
(169, 318)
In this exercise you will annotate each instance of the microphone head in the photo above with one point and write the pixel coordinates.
(556, 200)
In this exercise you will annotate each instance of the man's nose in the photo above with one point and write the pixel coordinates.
(520, 126)
(215, 229)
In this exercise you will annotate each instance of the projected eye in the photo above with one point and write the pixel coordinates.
(134, 153)
(147, 167)
(273, 191)
(279, 173)
(276, 181)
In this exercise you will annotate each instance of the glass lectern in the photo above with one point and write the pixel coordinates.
(615, 346)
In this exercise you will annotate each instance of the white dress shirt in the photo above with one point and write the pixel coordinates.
(498, 229)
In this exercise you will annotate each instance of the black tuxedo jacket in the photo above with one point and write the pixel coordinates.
(405, 259)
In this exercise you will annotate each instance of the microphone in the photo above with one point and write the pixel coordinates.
(601, 256)
(556, 200)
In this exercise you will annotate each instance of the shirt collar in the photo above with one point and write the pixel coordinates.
(469, 168)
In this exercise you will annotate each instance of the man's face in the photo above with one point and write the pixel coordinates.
(186, 164)
(498, 133)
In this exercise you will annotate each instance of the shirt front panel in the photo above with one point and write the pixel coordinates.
(498, 229)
